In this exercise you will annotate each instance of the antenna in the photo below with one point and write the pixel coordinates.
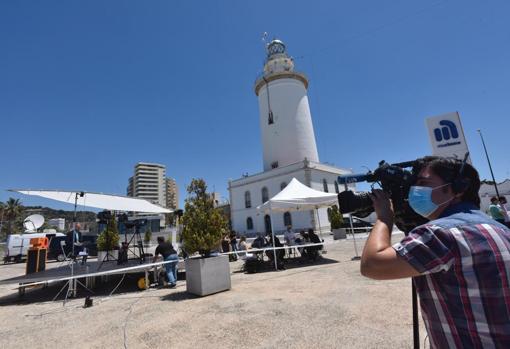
(33, 222)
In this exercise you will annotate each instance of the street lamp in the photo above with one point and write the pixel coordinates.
(489, 162)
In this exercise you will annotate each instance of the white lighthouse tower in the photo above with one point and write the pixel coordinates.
(289, 151)
(285, 120)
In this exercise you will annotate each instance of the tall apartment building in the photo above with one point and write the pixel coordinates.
(172, 194)
(149, 182)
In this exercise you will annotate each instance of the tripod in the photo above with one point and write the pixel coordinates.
(72, 283)
(137, 237)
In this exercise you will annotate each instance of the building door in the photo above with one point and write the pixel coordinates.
(267, 223)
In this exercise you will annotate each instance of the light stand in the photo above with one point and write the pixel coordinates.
(489, 162)
(72, 283)
(356, 257)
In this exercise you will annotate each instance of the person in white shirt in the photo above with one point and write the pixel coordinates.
(289, 236)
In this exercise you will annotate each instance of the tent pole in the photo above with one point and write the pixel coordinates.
(319, 220)
(272, 234)
(356, 257)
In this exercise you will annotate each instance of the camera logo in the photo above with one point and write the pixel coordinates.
(447, 131)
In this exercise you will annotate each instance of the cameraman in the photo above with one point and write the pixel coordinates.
(459, 259)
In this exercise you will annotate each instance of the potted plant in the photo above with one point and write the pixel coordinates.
(108, 242)
(203, 228)
(336, 220)
(147, 236)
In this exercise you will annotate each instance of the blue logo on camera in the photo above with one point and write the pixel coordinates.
(449, 130)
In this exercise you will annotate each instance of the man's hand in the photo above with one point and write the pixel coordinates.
(382, 206)
(379, 260)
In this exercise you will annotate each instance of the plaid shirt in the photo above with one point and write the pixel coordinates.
(464, 289)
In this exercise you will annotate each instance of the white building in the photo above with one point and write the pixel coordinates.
(289, 150)
(149, 182)
(487, 191)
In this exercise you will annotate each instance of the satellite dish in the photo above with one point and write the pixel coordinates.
(33, 222)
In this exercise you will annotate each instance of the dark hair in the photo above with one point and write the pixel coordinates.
(310, 231)
(161, 239)
(449, 170)
(502, 199)
(494, 198)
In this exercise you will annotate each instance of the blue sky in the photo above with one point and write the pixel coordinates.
(89, 88)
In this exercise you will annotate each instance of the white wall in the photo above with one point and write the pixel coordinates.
(291, 137)
(300, 220)
(240, 213)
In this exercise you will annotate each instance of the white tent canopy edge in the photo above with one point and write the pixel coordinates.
(97, 200)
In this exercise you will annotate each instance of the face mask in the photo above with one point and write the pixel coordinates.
(420, 200)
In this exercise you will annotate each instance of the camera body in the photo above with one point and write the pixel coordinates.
(394, 179)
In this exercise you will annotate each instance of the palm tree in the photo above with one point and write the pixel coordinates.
(12, 212)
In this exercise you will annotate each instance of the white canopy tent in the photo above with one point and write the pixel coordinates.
(297, 197)
(98, 200)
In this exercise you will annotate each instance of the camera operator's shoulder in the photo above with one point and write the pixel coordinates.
(459, 219)
(433, 228)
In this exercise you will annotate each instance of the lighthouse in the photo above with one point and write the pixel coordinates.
(285, 120)
(289, 151)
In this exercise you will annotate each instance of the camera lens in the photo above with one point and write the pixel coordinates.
(355, 202)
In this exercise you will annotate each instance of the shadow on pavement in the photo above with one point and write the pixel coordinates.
(178, 296)
(46, 294)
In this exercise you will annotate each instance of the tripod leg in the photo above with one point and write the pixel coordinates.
(59, 292)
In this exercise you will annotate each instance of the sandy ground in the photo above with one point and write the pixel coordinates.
(323, 305)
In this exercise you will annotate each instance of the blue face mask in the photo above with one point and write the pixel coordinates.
(420, 200)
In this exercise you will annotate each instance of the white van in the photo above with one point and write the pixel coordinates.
(17, 245)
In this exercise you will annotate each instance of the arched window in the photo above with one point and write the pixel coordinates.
(325, 185)
(249, 223)
(336, 187)
(287, 219)
(283, 185)
(267, 223)
(247, 199)
(265, 195)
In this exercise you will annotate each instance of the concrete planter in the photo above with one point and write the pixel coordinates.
(340, 233)
(101, 255)
(205, 276)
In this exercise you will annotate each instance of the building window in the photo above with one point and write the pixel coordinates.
(287, 219)
(247, 199)
(283, 185)
(249, 223)
(325, 185)
(267, 223)
(336, 187)
(265, 195)
(274, 164)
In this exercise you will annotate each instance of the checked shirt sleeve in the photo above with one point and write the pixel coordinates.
(427, 248)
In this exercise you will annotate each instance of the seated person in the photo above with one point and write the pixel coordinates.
(73, 241)
(303, 239)
(313, 251)
(280, 253)
(289, 237)
(242, 247)
(259, 243)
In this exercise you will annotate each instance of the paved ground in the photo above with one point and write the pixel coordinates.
(322, 305)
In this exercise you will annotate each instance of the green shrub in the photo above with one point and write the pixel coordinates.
(109, 238)
(147, 236)
(204, 225)
(336, 218)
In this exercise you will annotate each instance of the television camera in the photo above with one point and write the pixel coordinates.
(394, 179)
